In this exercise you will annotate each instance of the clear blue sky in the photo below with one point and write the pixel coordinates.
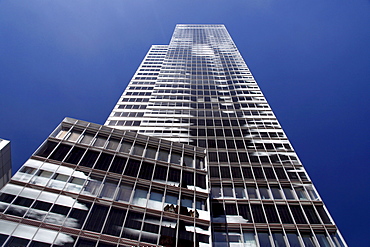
(311, 58)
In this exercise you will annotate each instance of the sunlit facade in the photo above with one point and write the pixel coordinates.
(191, 155)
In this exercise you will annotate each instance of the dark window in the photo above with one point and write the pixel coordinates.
(96, 218)
(228, 132)
(174, 175)
(223, 157)
(323, 215)
(247, 172)
(214, 172)
(210, 132)
(298, 214)
(221, 143)
(134, 220)
(258, 172)
(17, 242)
(46, 149)
(239, 144)
(38, 244)
(211, 144)
(233, 157)
(89, 158)
(146, 171)
(6, 198)
(114, 222)
(244, 212)
(200, 181)
(237, 133)
(258, 213)
(60, 152)
(230, 209)
(104, 162)
(212, 157)
(187, 179)
(230, 144)
(85, 243)
(269, 173)
(79, 215)
(311, 214)
(44, 206)
(132, 168)
(284, 214)
(118, 164)
(217, 209)
(225, 172)
(243, 157)
(271, 214)
(21, 201)
(75, 155)
(236, 172)
(160, 173)
(58, 209)
(280, 173)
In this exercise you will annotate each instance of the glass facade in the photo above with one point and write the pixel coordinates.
(191, 155)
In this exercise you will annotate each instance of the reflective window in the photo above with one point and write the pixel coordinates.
(278, 239)
(249, 239)
(140, 197)
(124, 192)
(109, 189)
(155, 200)
(264, 239)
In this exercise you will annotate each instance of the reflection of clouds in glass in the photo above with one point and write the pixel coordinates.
(63, 239)
(12, 189)
(36, 214)
(3, 206)
(27, 232)
(46, 236)
(24, 231)
(7, 227)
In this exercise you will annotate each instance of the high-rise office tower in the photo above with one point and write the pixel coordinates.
(5, 162)
(191, 155)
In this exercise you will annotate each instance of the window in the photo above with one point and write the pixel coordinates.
(140, 197)
(124, 192)
(96, 218)
(252, 193)
(155, 200)
(264, 193)
(276, 193)
(150, 153)
(109, 189)
(114, 222)
(138, 150)
(163, 155)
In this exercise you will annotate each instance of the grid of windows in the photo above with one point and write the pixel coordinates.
(191, 155)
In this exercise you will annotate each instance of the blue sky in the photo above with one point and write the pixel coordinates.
(311, 58)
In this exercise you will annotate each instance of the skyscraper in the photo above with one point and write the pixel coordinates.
(191, 155)
(5, 162)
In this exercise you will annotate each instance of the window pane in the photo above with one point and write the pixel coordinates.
(264, 239)
(264, 193)
(140, 196)
(124, 192)
(108, 189)
(278, 239)
(276, 192)
(249, 239)
(138, 150)
(163, 155)
(150, 153)
(155, 200)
